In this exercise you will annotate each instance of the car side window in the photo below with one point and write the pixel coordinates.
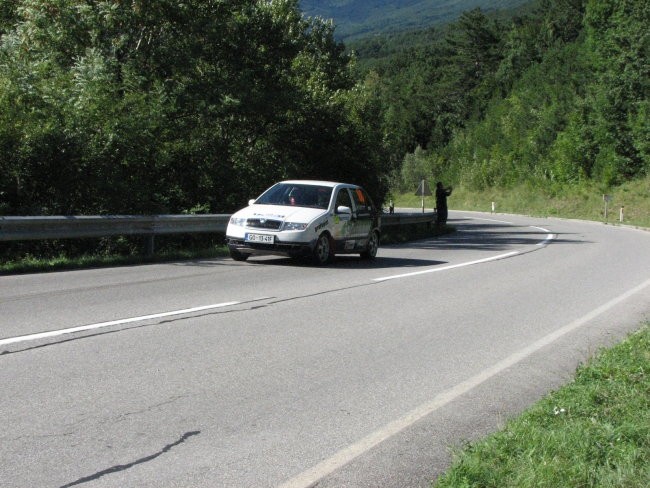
(343, 198)
(370, 205)
(361, 201)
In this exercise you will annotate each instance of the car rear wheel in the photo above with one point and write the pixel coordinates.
(323, 250)
(236, 255)
(372, 246)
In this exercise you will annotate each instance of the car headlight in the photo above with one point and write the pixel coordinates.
(238, 221)
(294, 226)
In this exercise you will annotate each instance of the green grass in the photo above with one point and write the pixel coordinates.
(32, 264)
(584, 202)
(593, 432)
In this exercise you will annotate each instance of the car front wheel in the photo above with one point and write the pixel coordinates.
(372, 246)
(236, 255)
(323, 250)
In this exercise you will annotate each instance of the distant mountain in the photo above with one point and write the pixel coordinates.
(357, 18)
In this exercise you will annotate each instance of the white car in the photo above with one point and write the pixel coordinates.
(306, 218)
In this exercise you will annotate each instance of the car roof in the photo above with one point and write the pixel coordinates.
(319, 183)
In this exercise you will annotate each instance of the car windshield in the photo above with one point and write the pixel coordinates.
(297, 194)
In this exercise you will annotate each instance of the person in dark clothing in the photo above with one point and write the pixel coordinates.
(441, 203)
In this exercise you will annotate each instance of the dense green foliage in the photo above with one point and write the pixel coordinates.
(167, 107)
(554, 97)
(164, 107)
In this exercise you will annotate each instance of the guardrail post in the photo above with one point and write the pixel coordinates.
(150, 245)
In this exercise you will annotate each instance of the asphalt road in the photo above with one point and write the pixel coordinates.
(269, 373)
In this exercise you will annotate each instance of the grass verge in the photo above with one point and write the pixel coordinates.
(593, 432)
(577, 202)
(32, 264)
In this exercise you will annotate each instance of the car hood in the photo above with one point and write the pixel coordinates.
(280, 212)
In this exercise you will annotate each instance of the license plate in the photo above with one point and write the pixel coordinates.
(260, 238)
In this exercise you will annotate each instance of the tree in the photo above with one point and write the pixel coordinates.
(476, 48)
(150, 107)
(618, 37)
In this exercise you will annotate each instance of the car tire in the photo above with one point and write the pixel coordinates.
(372, 246)
(236, 255)
(323, 252)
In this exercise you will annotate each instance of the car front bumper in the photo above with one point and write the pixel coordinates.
(279, 247)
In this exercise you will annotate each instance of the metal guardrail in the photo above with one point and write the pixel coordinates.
(396, 219)
(62, 227)
(72, 227)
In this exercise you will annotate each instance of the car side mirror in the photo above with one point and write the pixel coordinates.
(342, 209)
(251, 201)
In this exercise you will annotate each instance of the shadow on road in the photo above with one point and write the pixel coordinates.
(348, 262)
(469, 234)
(487, 236)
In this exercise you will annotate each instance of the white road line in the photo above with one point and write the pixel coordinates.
(545, 242)
(311, 476)
(549, 236)
(452, 266)
(492, 220)
(55, 333)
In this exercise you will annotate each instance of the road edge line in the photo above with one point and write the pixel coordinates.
(311, 476)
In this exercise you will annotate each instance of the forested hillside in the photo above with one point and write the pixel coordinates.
(169, 107)
(556, 97)
(363, 18)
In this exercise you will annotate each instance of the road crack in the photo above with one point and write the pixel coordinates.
(122, 467)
